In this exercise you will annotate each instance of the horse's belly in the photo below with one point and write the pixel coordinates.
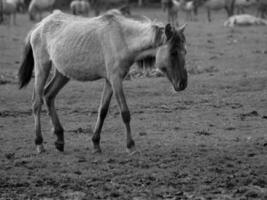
(80, 66)
(88, 70)
(78, 55)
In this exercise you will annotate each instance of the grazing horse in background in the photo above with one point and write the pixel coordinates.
(240, 5)
(9, 10)
(80, 7)
(88, 49)
(39, 6)
(216, 5)
(189, 8)
(174, 6)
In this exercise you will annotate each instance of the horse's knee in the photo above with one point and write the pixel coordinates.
(126, 116)
(38, 140)
(96, 138)
(48, 100)
(37, 103)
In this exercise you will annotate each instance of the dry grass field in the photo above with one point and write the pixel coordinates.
(207, 142)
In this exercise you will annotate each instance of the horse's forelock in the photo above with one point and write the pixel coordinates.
(177, 40)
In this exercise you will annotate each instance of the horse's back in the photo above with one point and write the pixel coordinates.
(72, 43)
(54, 24)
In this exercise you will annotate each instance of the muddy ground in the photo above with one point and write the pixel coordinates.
(207, 142)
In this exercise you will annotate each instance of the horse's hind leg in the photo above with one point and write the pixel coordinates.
(41, 75)
(51, 90)
(125, 113)
(103, 109)
(209, 14)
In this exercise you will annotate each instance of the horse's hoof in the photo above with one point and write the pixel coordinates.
(132, 151)
(97, 151)
(59, 146)
(40, 148)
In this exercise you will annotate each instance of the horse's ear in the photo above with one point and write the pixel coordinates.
(182, 28)
(168, 31)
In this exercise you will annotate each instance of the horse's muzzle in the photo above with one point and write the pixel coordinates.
(181, 85)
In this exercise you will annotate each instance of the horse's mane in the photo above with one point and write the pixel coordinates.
(136, 22)
(142, 23)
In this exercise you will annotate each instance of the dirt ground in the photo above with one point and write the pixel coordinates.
(207, 142)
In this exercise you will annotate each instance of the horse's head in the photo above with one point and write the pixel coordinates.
(170, 57)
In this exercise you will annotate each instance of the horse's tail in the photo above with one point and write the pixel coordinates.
(27, 65)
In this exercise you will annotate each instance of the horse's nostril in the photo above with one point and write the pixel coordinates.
(183, 84)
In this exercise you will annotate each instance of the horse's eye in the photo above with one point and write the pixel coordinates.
(174, 53)
(163, 69)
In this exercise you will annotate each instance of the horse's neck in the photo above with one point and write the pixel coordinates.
(139, 37)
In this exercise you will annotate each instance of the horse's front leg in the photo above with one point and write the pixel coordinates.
(125, 113)
(102, 113)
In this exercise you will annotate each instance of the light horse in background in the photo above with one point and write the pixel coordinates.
(80, 7)
(9, 10)
(39, 6)
(88, 49)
